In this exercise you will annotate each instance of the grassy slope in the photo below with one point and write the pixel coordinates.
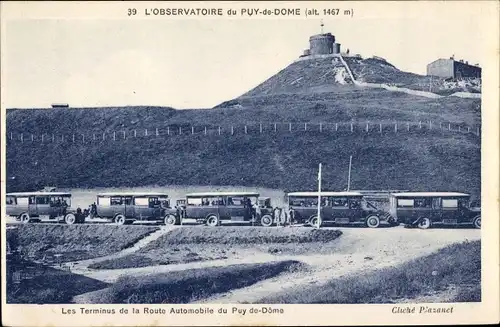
(184, 245)
(189, 285)
(48, 286)
(458, 265)
(418, 161)
(75, 242)
(444, 161)
(377, 71)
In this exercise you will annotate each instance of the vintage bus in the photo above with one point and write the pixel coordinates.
(211, 208)
(336, 207)
(126, 208)
(425, 209)
(42, 206)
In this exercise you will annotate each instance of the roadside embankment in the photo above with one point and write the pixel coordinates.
(73, 242)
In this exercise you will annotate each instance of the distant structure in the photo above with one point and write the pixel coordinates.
(60, 105)
(451, 68)
(322, 44)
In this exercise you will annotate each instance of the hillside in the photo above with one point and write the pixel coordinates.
(310, 91)
(374, 70)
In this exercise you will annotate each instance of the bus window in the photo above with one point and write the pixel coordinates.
(22, 201)
(422, 203)
(355, 203)
(141, 201)
(10, 200)
(450, 203)
(127, 200)
(235, 201)
(116, 201)
(194, 201)
(42, 200)
(463, 203)
(405, 203)
(339, 202)
(104, 201)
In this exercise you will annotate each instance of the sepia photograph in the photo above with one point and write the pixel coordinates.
(181, 163)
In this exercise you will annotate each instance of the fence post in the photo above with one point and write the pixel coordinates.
(245, 129)
(103, 136)
(32, 138)
(380, 126)
(232, 130)
(42, 137)
(62, 138)
(351, 128)
(367, 128)
(168, 130)
(468, 129)
(192, 130)
(289, 127)
(180, 130)
(219, 130)
(396, 127)
(156, 131)
(336, 127)
(124, 135)
(275, 129)
(430, 124)
(114, 136)
(305, 126)
(260, 128)
(145, 132)
(73, 138)
(83, 138)
(53, 138)
(11, 136)
(459, 128)
(440, 125)
(135, 133)
(420, 124)
(205, 130)
(320, 127)
(408, 127)
(22, 137)
(449, 126)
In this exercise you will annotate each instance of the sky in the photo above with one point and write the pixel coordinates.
(199, 63)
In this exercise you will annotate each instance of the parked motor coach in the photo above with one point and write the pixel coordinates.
(211, 208)
(43, 206)
(335, 207)
(425, 209)
(126, 208)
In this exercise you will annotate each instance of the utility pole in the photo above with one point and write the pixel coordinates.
(319, 197)
(349, 176)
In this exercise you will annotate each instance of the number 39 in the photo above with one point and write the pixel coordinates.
(132, 11)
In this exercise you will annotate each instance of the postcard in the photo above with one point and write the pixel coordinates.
(250, 163)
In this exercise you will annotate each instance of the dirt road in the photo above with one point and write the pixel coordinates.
(358, 249)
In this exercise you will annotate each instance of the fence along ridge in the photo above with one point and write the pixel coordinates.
(250, 128)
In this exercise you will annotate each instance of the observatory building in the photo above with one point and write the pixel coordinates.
(322, 44)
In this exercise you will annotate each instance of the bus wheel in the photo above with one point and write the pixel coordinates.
(25, 218)
(169, 220)
(372, 221)
(70, 219)
(266, 220)
(424, 223)
(212, 221)
(120, 219)
(477, 222)
(314, 221)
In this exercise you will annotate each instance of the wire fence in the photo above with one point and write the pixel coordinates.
(250, 128)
